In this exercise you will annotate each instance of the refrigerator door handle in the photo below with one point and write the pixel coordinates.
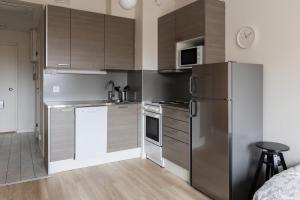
(193, 108)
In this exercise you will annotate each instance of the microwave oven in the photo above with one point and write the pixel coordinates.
(190, 56)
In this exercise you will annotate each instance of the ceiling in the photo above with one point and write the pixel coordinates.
(19, 16)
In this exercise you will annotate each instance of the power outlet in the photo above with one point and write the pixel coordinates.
(56, 89)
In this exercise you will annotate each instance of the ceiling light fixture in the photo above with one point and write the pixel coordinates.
(127, 4)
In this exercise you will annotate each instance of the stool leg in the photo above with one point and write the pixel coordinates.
(272, 170)
(282, 161)
(255, 179)
(268, 167)
(275, 163)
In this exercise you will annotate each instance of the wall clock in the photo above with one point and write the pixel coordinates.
(245, 37)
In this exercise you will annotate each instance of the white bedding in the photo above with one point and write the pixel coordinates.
(283, 186)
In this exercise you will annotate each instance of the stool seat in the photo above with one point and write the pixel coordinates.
(272, 146)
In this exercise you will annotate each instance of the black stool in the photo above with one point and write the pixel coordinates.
(271, 151)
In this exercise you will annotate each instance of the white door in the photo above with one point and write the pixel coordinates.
(8, 86)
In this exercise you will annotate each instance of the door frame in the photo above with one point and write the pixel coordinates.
(16, 45)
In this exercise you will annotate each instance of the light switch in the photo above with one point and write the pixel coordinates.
(1, 104)
(56, 89)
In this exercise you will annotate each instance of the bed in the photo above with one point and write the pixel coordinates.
(283, 186)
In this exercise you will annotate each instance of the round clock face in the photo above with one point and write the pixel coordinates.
(245, 37)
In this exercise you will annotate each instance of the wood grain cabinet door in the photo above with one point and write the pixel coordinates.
(62, 134)
(190, 21)
(166, 42)
(122, 127)
(58, 37)
(87, 40)
(119, 43)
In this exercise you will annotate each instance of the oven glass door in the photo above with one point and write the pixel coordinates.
(153, 129)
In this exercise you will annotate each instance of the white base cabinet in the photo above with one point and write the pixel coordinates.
(91, 133)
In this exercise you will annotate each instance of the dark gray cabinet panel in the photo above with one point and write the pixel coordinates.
(176, 151)
(214, 31)
(58, 37)
(176, 135)
(119, 43)
(174, 113)
(166, 42)
(62, 134)
(87, 40)
(122, 127)
(176, 124)
(190, 21)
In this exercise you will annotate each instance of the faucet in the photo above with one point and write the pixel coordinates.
(111, 93)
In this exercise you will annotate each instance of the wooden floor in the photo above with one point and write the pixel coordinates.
(20, 158)
(135, 179)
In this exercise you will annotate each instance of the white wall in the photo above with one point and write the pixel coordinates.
(26, 90)
(277, 47)
(148, 31)
(88, 5)
(182, 3)
(100, 6)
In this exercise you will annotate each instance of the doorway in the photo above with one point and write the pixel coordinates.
(8, 87)
(21, 157)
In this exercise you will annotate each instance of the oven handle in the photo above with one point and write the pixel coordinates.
(152, 115)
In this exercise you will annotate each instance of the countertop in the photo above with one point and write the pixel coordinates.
(63, 104)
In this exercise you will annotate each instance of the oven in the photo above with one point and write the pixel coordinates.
(153, 127)
(153, 132)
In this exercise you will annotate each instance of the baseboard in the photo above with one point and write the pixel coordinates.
(7, 133)
(26, 131)
(177, 170)
(66, 165)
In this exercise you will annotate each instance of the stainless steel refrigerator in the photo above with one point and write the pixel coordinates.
(227, 118)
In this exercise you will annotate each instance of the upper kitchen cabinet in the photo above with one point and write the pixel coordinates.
(199, 23)
(87, 40)
(190, 21)
(119, 43)
(166, 42)
(58, 37)
(214, 31)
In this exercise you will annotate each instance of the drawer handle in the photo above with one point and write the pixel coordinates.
(67, 110)
(61, 65)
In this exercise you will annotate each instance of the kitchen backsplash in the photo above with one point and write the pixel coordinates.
(74, 87)
(146, 85)
(165, 87)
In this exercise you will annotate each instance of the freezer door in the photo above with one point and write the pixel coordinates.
(210, 81)
(210, 147)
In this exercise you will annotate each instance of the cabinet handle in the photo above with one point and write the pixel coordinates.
(61, 65)
(67, 110)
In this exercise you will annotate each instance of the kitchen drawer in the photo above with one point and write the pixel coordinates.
(176, 124)
(176, 114)
(176, 151)
(176, 134)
